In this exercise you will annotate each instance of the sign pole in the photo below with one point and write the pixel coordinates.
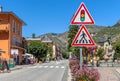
(81, 60)
(83, 37)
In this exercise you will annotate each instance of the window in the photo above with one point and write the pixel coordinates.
(14, 40)
(18, 41)
(13, 26)
(18, 29)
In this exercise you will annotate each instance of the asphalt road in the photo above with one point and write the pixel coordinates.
(53, 71)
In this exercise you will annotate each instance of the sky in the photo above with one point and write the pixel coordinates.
(53, 16)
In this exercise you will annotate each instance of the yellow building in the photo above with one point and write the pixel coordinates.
(11, 35)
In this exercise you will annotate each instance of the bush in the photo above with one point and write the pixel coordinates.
(73, 62)
(74, 65)
(65, 55)
(85, 74)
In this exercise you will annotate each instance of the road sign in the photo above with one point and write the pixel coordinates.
(82, 16)
(83, 38)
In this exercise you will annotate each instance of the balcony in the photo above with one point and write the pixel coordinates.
(4, 27)
(18, 45)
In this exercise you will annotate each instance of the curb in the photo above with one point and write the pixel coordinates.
(69, 75)
(16, 68)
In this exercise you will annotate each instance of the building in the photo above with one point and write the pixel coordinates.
(11, 35)
(56, 50)
(108, 48)
(101, 42)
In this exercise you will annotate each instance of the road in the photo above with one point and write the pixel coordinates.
(53, 71)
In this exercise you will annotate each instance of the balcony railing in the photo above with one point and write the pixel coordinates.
(18, 44)
(4, 27)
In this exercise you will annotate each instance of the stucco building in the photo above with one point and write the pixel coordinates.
(11, 35)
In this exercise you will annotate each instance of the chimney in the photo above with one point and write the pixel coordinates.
(0, 8)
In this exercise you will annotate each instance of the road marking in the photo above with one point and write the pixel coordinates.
(56, 66)
(35, 66)
(30, 67)
(51, 66)
(45, 66)
(40, 66)
(62, 67)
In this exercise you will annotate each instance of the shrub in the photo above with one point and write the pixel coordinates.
(73, 62)
(74, 65)
(87, 74)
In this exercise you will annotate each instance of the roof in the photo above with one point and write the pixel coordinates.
(39, 39)
(101, 40)
(23, 23)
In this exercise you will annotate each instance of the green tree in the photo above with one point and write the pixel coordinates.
(116, 47)
(73, 29)
(33, 35)
(100, 53)
(65, 54)
(38, 49)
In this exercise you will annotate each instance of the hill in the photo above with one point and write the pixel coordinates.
(59, 39)
(98, 31)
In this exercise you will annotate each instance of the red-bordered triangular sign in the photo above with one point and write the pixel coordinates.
(83, 38)
(82, 16)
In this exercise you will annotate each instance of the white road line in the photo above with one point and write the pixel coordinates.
(35, 66)
(30, 67)
(62, 67)
(51, 66)
(45, 66)
(56, 66)
(40, 66)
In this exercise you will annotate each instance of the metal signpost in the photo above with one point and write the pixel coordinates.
(83, 37)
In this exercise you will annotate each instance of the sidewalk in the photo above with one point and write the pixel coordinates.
(108, 74)
(118, 70)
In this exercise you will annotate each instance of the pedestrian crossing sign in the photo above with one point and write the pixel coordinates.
(82, 16)
(83, 38)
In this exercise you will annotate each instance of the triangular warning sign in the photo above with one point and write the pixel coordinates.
(82, 16)
(83, 38)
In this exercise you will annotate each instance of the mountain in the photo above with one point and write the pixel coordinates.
(117, 24)
(98, 31)
(59, 39)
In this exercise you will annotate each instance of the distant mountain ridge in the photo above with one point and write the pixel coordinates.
(58, 39)
(98, 31)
